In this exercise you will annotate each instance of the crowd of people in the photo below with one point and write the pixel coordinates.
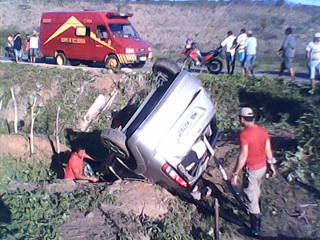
(244, 48)
(15, 46)
(245, 44)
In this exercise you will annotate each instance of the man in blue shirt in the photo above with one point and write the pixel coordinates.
(287, 50)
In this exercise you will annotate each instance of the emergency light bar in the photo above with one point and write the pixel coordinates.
(118, 15)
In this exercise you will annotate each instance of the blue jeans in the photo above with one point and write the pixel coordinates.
(18, 53)
(230, 60)
(242, 57)
(250, 58)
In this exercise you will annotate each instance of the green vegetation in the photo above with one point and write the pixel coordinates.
(36, 214)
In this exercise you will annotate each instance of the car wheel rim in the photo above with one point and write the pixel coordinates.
(59, 60)
(113, 63)
(114, 148)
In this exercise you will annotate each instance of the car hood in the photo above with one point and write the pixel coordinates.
(132, 43)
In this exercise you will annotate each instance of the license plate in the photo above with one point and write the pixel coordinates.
(144, 58)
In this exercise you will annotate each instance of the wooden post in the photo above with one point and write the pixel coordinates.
(57, 131)
(15, 112)
(32, 125)
(100, 104)
(216, 219)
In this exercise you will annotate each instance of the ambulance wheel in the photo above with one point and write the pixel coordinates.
(61, 59)
(112, 62)
(165, 70)
(115, 141)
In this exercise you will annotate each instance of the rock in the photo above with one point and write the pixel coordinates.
(139, 198)
(65, 185)
(27, 186)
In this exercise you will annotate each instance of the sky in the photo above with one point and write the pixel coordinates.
(307, 2)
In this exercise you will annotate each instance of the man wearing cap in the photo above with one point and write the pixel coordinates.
(251, 51)
(287, 50)
(255, 155)
(313, 58)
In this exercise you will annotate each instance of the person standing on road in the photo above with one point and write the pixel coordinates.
(9, 46)
(17, 47)
(313, 59)
(228, 43)
(241, 47)
(27, 48)
(255, 156)
(251, 53)
(34, 45)
(75, 166)
(287, 50)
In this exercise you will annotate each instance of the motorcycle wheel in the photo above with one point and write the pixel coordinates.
(214, 66)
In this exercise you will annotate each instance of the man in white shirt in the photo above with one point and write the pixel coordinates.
(34, 45)
(251, 51)
(313, 58)
(228, 43)
(241, 46)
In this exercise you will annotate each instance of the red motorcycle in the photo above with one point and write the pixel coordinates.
(193, 58)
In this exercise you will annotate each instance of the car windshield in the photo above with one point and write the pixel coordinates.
(123, 30)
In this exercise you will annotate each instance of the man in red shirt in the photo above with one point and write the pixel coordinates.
(75, 167)
(254, 155)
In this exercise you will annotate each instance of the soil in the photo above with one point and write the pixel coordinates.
(140, 198)
(18, 146)
(135, 197)
(106, 82)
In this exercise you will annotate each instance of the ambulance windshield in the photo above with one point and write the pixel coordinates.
(123, 30)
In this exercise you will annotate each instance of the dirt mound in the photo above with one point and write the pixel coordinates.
(106, 82)
(106, 221)
(139, 198)
(18, 146)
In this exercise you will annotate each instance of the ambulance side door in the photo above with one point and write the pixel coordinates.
(101, 42)
(83, 43)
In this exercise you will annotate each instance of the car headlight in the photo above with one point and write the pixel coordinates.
(129, 50)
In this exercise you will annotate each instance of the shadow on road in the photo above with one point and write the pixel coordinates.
(302, 75)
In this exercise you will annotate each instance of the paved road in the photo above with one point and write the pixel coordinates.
(301, 78)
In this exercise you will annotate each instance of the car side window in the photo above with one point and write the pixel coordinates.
(102, 32)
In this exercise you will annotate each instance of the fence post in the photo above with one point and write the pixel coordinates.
(216, 219)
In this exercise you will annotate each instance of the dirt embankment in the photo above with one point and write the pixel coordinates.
(167, 24)
(19, 146)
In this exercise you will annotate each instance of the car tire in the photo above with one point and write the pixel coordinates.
(215, 66)
(165, 70)
(61, 59)
(115, 141)
(112, 62)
